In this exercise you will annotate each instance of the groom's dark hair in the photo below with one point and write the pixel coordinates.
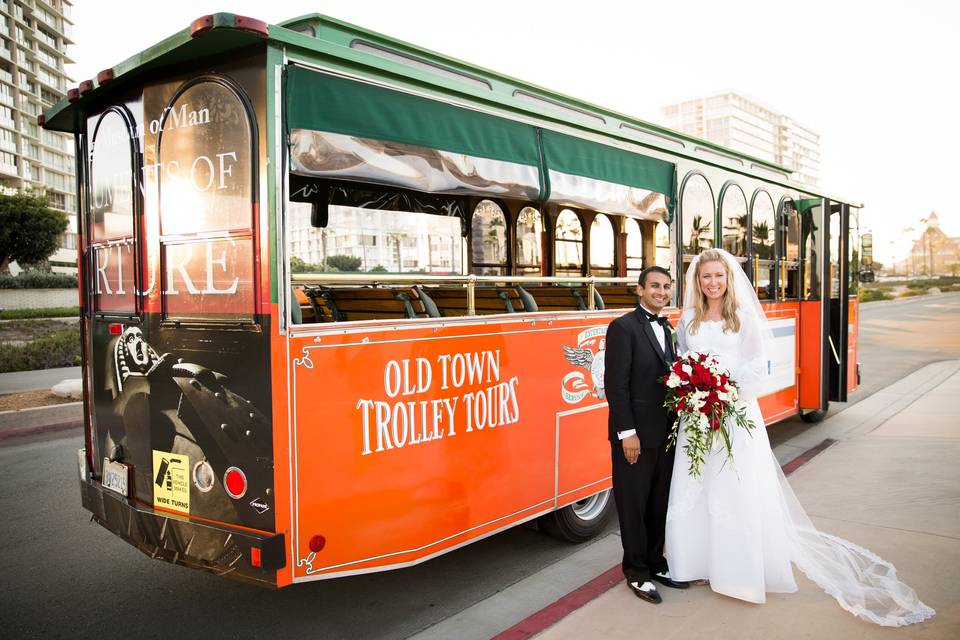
(642, 280)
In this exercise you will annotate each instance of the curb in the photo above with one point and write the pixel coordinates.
(39, 419)
(10, 434)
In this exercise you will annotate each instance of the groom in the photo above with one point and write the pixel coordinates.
(639, 351)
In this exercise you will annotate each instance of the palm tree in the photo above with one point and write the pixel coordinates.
(699, 234)
(761, 240)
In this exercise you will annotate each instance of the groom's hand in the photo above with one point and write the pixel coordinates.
(631, 448)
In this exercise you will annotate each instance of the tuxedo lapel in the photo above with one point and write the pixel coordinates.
(647, 329)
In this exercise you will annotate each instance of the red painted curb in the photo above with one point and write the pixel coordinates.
(553, 613)
(557, 611)
(806, 456)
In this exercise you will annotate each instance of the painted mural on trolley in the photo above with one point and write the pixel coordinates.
(177, 341)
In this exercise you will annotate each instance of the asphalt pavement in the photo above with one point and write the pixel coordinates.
(19, 381)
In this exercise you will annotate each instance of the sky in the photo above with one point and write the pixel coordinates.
(877, 80)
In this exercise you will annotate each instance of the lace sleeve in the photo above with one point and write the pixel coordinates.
(751, 369)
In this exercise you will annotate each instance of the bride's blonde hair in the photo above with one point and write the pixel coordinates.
(729, 306)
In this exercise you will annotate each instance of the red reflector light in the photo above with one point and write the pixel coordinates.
(105, 76)
(255, 556)
(235, 482)
(317, 543)
(86, 86)
(249, 24)
(73, 95)
(201, 24)
(41, 120)
(116, 329)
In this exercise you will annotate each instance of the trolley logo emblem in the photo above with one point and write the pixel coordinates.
(574, 387)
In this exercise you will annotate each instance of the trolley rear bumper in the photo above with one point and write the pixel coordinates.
(212, 547)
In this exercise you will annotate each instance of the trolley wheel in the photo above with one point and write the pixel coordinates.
(580, 521)
(813, 417)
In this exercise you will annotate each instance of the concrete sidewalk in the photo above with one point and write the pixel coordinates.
(890, 484)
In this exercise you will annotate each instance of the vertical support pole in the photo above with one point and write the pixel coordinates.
(471, 299)
(591, 303)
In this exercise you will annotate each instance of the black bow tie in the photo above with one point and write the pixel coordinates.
(652, 318)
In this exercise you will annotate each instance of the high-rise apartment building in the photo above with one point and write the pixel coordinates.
(34, 35)
(746, 125)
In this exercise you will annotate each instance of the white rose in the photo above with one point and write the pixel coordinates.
(687, 369)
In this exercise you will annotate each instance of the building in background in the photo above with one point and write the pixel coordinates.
(746, 125)
(34, 35)
(933, 253)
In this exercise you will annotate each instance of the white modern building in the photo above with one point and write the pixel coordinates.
(34, 35)
(747, 125)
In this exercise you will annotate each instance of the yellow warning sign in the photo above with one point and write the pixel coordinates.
(171, 481)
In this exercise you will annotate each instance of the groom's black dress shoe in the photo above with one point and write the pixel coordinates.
(650, 594)
(667, 581)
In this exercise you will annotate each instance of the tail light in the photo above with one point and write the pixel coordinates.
(235, 483)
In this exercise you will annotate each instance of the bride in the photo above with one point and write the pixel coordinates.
(740, 525)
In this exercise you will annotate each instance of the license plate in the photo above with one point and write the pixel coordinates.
(116, 477)
(82, 464)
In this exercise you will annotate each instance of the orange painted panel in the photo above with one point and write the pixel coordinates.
(583, 457)
(810, 355)
(412, 439)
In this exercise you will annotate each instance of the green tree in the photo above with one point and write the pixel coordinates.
(29, 229)
(344, 263)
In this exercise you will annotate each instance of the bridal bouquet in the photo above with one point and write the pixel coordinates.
(704, 398)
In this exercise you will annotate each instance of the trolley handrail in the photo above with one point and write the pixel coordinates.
(470, 281)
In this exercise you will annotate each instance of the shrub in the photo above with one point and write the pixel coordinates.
(58, 349)
(871, 295)
(909, 293)
(52, 312)
(38, 280)
(344, 263)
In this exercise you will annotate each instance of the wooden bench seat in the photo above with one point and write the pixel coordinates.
(618, 296)
(343, 304)
(561, 298)
(452, 301)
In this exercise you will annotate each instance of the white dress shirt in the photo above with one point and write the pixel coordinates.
(661, 337)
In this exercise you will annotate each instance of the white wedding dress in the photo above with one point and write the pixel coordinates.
(740, 525)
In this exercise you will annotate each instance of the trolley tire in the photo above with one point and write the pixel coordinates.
(813, 417)
(580, 521)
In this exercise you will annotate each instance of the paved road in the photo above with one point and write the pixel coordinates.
(64, 576)
(32, 380)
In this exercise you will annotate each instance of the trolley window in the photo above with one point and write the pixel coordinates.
(529, 242)
(763, 245)
(568, 245)
(488, 240)
(205, 173)
(112, 215)
(601, 246)
(733, 216)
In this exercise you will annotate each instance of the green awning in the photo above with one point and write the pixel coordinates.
(575, 156)
(322, 102)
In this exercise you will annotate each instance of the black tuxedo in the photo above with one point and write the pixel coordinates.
(634, 361)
